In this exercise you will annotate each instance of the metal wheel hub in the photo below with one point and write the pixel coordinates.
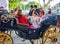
(55, 39)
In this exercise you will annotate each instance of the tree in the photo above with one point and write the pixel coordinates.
(47, 3)
(33, 3)
(16, 3)
(13, 4)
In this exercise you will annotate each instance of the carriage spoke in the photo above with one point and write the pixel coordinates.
(53, 35)
(48, 40)
(57, 31)
(58, 41)
(5, 39)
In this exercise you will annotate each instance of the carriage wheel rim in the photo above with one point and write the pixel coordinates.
(54, 38)
(5, 39)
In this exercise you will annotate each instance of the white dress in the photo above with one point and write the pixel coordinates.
(35, 21)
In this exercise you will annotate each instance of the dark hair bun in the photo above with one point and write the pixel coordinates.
(35, 6)
(31, 6)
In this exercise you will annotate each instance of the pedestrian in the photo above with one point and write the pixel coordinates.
(4, 6)
(37, 9)
(35, 20)
(31, 9)
(49, 12)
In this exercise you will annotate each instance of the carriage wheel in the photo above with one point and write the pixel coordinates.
(5, 39)
(52, 35)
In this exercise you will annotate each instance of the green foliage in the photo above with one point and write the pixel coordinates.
(46, 7)
(13, 4)
(33, 3)
(18, 3)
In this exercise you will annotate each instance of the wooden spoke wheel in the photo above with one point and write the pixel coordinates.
(52, 35)
(5, 39)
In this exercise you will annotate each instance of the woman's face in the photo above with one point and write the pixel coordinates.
(15, 12)
(33, 13)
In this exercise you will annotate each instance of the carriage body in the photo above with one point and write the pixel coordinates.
(46, 23)
(32, 34)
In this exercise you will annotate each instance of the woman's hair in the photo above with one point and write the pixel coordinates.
(19, 13)
(43, 13)
(34, 12)
(35, 6)
(31, 6)
(15, 9)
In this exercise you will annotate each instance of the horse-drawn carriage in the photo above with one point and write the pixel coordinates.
(49, 30)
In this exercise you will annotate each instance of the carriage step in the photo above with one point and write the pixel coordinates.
(10, 32)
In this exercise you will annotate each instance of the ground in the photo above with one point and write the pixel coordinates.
(18, 40)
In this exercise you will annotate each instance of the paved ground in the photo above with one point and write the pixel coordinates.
(18, 40)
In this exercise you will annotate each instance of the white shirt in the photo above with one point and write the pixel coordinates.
(4, 4)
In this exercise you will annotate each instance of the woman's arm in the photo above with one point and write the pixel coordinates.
(17, 22)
